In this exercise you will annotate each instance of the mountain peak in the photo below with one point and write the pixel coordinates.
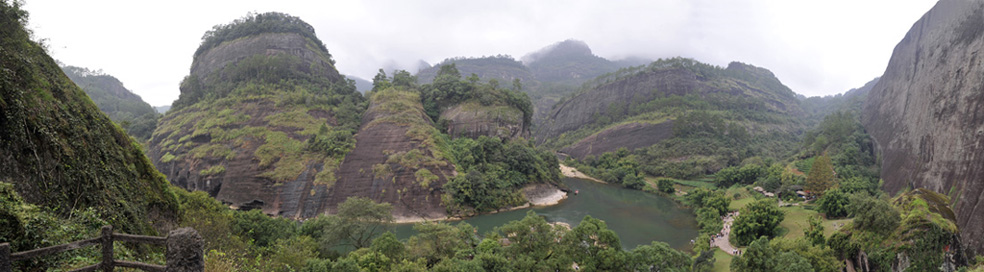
(566, 48)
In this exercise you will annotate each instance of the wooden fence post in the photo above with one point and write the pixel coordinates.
(107, 249)
(5, 264)
(185, 251)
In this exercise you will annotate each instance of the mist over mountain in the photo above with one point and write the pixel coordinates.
(282, 162)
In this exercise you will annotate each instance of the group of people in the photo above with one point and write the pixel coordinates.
(727, 219)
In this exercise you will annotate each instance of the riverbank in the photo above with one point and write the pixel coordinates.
(539, 195)
(572, 172)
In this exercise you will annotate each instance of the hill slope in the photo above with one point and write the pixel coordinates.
(703, 116)
(925, 113)
(397, 159)
(123, 106)
(61, 153)
(263, 120)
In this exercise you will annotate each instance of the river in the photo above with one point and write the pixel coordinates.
(637, 217)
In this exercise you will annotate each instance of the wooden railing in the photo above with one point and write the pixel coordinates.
(184, 251)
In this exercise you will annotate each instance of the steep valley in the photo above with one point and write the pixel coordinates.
(283, 163)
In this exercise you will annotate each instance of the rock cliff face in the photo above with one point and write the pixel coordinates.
(926, 114)
(263, 119)
(617, 97)
(395, 159)
(312, 59)
(630, 136)
(580, 110)
(473, 120)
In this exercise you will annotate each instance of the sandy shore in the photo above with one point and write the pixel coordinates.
(543, 194)
(572, 172)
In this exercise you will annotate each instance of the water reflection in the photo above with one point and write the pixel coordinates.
(637, 217)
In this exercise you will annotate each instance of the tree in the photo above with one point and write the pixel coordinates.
(821, 259)
(657, 256)
(665, 185)
(821, 177)
(833, 204)
(404, 78)
(533, 237)
(291, 254)
(380, 81)
(437, 241)
(759, 256)
(764, 256)
(876, 215)
(757, 219)
(709, 220)
(587, 243)
(815, 232)
(357, 222)
(261, 228)
(389, 246)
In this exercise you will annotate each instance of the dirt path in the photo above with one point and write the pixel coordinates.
(722, 241)
(572, 172)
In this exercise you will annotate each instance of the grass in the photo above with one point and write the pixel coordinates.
(797, 220)
(722, 260)
(744, 197)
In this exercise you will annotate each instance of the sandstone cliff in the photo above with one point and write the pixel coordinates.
(635, 107)
(263, 120)
(471, 119)
(396, 159)
(926, 114)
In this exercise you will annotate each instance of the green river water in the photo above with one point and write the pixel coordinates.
(637, 217)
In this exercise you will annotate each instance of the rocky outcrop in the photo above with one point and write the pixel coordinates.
(245, 178)
(312, 60)
(263, 120)
(503, 69)
(926, 114)
(630, 136)
(472, 120)
(615, 97)
(582, 109)
(395, 160)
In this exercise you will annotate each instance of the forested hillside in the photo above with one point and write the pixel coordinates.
(123, 106)
(65, 168)
(678, 117)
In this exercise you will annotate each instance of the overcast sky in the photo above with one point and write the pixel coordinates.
(814, 47)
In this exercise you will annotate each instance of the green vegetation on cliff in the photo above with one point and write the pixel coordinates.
(124, 107)
(718, 117)
(247, 114)
(492, 170)
(257, 23)
(65, 167)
